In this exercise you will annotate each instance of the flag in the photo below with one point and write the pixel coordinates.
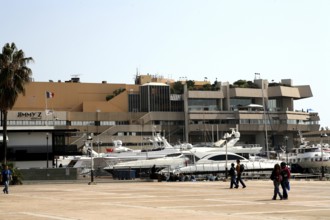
(49, 95)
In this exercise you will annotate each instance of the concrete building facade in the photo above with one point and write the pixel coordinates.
(263, 112)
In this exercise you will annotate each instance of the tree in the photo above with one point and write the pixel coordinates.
(244, 84)
(216, 85)
(14, 74)
(190, 84)
(207, 87)
(177, 88)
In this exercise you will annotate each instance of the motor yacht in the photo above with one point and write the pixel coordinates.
(118, 153)
(144, 167)
(217, 162)
(229, 143)
(308, 157)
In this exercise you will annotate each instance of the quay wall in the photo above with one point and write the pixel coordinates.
(49, 174)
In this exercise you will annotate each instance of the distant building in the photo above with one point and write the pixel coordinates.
(200, 113)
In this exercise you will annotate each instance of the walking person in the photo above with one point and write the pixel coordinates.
(277, 179)
(232, 173)
(239, 170)
(6, 176)
(285, 184)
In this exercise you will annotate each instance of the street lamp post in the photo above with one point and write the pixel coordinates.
(47, 149)
(286, 138)
(98, 146)
(90, 143)
(226, 137)
(322, 167)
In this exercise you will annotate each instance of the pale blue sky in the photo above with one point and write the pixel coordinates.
(228, 40)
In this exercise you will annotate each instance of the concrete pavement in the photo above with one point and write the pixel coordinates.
(164, 200)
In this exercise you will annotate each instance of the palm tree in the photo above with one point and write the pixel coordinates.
(14, 74)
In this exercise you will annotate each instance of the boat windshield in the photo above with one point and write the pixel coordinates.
(314, 149)
(173, 155)
(222, 157)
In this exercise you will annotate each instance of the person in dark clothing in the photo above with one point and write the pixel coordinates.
(153, 172)
(277, 179)
(6, 177)
(239, 174)
(232, 173)
(285, 183)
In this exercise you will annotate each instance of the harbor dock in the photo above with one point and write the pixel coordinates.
(134, 199)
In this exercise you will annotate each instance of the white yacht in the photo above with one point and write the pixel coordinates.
(217, 163)
(142, 167)
(229, 143)
(119, 153)
(309, 157)
(160, 148)
(118, 147)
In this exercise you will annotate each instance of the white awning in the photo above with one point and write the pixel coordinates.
(253, 106)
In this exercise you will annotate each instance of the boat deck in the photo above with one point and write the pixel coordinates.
(135, 199)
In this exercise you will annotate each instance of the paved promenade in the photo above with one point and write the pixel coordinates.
(164, 200)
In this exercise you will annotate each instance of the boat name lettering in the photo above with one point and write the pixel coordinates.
(29, 114)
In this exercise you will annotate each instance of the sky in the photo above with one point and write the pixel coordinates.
(227, 40)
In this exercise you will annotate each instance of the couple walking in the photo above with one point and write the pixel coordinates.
(236, 174)
(281, 176)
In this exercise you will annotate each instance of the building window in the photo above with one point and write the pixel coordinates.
(203, 105)
(155, 98)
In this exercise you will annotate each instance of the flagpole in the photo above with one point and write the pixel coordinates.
(46, 108)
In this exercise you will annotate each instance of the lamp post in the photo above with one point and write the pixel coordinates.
(286, 138)
(322, 167)
(98, 123)
(47, 149)
(226, 137)
(264, 114)
(90, 144)
(98, 146)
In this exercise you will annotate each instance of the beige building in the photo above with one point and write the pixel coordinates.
(199, 114)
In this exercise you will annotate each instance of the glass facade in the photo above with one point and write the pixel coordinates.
(275, 105)
(177, 106)
(203, 104)
(235, 103)
(134, 103)
(155, 98)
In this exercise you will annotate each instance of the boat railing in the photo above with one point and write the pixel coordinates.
(251, 145)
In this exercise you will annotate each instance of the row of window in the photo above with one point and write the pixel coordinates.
(63, 123)
(36, 123)
(112, 123)
(157, 99)
(309, 159)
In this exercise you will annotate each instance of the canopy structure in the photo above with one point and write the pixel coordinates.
(253, 106)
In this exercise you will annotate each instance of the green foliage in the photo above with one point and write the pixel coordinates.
(177, 88)
(278, 84)
(244, 84)
(14, 74)
(16, 174)
(207, 87)
(115, 93)
(109, 97)
(216, 85)
(190, 84)
(118, 91)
